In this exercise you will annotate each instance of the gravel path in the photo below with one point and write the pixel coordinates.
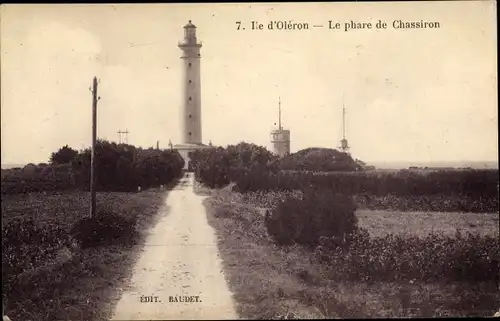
(180, 263)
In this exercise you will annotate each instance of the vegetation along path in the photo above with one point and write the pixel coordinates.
(180, 263)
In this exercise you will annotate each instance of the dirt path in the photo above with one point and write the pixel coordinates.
(180, 262)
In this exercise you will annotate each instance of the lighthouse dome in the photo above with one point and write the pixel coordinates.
(190, 25)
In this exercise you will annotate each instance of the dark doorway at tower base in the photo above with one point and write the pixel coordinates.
(190, 168)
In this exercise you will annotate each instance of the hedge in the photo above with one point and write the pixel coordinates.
(119, 167)
(470, 183)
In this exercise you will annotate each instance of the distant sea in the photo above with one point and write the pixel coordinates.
(389, 165)
(7, 166)
(456, 164)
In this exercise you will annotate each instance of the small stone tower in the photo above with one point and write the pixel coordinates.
(280, 138)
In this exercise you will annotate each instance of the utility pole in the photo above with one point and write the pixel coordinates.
(126, 136)
(95, 98)
(119, 136)
(343, 122)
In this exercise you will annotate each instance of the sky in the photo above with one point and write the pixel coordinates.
(420, 95)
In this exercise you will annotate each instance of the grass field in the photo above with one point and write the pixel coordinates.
(276, 282)
(380, 222)
(86, 286)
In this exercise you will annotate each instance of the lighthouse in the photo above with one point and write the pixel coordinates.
(191, 129)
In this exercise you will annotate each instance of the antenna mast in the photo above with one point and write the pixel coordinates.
(343, 118)
(279, 112)
(344, 146)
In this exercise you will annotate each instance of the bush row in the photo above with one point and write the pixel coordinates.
(121, 167)
(37, 179)
(36, 183)
(253, 168)
(435, 257)
(470, 183)
(118, 168)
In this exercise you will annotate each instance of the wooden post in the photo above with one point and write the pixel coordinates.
(92, 157)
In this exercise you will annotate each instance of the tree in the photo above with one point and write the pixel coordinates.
(64, 155)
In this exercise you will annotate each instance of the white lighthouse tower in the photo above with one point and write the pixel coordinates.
(191, 99)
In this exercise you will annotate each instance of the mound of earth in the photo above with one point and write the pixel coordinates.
(319, 159)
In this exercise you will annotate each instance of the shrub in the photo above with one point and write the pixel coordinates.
(212, 167)
(155, 167)
(317, 214)
(217, 167)
(105, 229)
